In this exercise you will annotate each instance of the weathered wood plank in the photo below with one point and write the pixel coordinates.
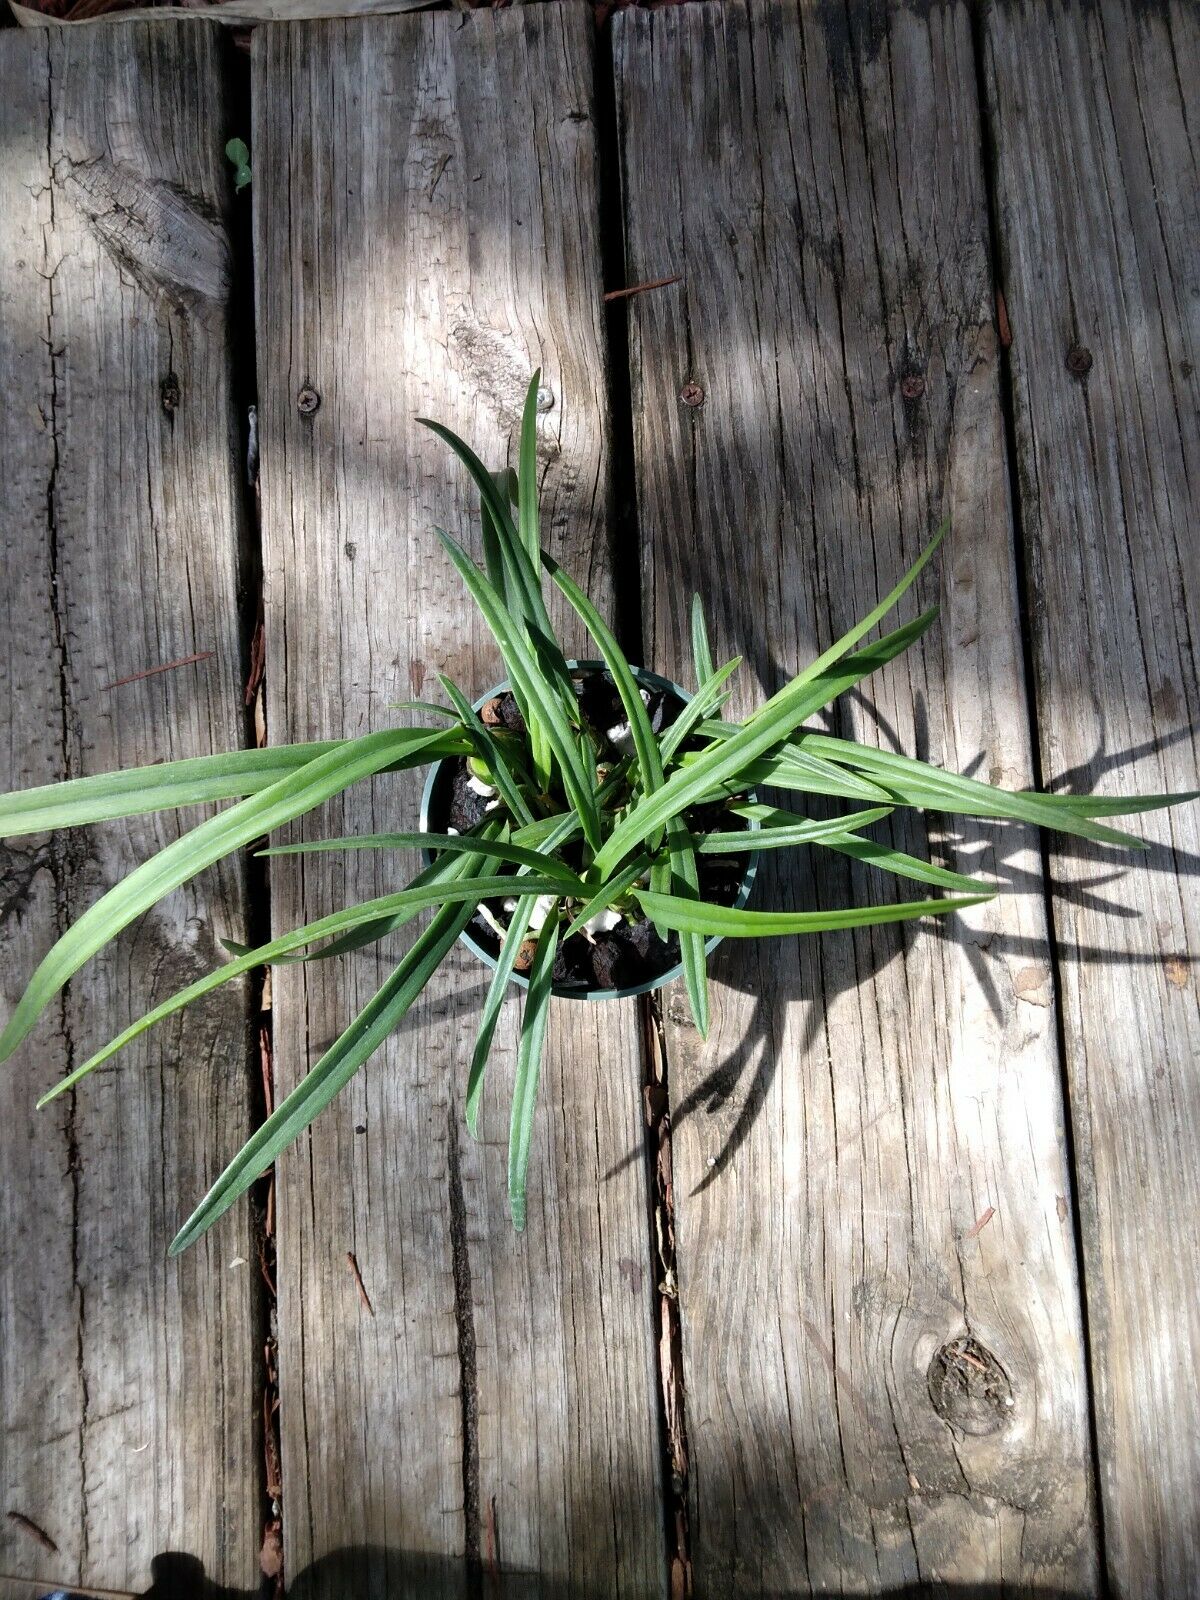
(1099, 194)
(869, 1155)
(126, 1382)
(426, 223)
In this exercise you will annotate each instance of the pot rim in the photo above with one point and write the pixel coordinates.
(652, 680)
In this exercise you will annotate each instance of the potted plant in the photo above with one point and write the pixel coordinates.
(589, 828)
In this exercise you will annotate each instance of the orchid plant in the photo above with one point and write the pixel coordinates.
(585, 828)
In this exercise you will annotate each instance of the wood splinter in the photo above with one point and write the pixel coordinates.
(362, 1288)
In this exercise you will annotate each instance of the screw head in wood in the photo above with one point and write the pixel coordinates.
(1079, 361)
(692, 394)
(545, 399)
(307, 401)
(912, 385)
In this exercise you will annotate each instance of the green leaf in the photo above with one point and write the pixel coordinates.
(497, 567)
(819, 668)
(165, 786)
(238, 151)
(780, 830)
(442, 870)
(701, 654)
(644, 742)
(686, 884)
(489, 751)
(1097, 805)
(514, 938)
(493, 552)
(525, 671)
(399, 908)
(422, 705)
(529, 1063)
(547, 833)
(522, 594)
(701, 916)
(290, 797)
(611, 889)
(527, 486)
(701, 774)
(331, 1073)
(918, 784)
(501, 849)
(898, 863)
(806, 774)
(660, 882)
(702, 704)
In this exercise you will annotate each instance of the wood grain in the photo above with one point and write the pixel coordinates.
(1098, 166)
(869, 1156)
(126, 1382)
(426, 235)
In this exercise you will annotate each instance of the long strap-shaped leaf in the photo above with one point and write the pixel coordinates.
(919, 784)
(820, 667)
(514, 938)
(550, 832)
(529, 1066)
(527, 486)
(702, 704)
(199, 780)
(290, 797)
(701, 652)
(611, 889)
(644, 742)
(522, 592)
(523, 669)
(781, 830)
(701, 916)
(488, 750)
(398, 909)
(331, 1073)
(808, 774)
(501, 849)
(1118, 805)
(730, 759)
(440, 870)
(530, 538)
(685, 881)
(682, 866)
(898, 863)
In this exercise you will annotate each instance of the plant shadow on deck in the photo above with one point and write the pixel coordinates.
(373, 1572)
(815, 880)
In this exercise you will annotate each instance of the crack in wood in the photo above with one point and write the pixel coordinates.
(464, 1322)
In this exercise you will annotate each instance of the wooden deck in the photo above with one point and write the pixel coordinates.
(890, 1286)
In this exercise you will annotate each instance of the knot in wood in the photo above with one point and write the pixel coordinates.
(969, 1388)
